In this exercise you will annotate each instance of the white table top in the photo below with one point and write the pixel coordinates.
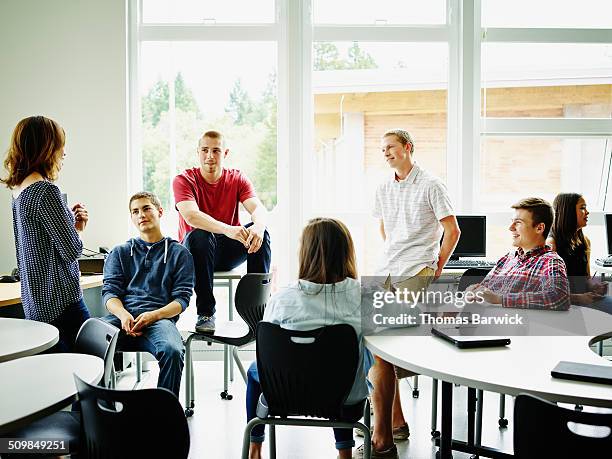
(20, 338)
(523, 366)
(36, 386)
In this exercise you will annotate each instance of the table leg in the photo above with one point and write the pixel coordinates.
(446, 436)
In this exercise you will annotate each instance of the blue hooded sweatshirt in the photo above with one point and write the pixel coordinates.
(146, 277)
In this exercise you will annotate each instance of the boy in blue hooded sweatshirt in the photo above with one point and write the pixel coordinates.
(148, 282)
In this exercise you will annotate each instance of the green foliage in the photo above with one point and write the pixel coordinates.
(249, 126)
(326, 56)
(156, 101)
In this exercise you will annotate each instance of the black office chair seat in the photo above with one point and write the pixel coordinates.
(232, 333)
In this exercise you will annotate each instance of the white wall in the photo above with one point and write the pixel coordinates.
(66, 59)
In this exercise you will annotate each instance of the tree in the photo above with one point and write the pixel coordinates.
(265, 177)
(359, 59)
(156, 101)
(240, 105)
(326, 56)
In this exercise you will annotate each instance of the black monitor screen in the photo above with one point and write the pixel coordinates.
(473, 239)
(609, 232)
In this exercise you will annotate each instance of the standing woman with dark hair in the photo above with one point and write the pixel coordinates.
(46, 231)
(568, 240)
(326, 293)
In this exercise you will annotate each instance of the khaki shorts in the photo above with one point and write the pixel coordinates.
(420, 281)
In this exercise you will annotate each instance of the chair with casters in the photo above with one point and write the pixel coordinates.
(307, 374)
(252, 293)
(543, 429)
(95, 337)
(126, 424)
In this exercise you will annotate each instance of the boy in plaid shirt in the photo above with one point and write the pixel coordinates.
(532, 276)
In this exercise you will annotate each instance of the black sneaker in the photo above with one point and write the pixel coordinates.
(205, 324)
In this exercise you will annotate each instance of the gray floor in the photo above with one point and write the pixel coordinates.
(217, 425)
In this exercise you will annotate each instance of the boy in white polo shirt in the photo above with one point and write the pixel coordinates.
(414, 211)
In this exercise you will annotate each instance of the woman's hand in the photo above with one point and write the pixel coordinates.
(81, 217)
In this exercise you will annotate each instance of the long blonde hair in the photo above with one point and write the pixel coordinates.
(35, 147)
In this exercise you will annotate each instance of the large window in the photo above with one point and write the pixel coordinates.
(503, 99)
(546, 105)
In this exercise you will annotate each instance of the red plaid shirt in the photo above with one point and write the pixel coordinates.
(533, 280)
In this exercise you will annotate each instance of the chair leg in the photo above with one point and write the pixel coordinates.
(367, 414)
(415, 387)
(246, 438)
(435, 433)
(138, 367)
(478, 427)
(367, 437)
(189, 402)
(272, 441)
(239, 363)
(503, 422)
(225, 395)
(230, 314)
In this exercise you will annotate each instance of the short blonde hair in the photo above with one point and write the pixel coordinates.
(213, 135)
(403, 136)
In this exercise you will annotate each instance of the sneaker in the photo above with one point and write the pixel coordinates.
(205, 324)
(399, 433)
(390, 453)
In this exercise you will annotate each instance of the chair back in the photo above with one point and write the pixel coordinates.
(99, 338)
(132, 423)
(543, 429)
(472, 276)
(307, 373)
(252, 294)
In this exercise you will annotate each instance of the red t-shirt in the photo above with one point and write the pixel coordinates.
(219, 200)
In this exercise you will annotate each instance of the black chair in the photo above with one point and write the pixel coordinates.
(251, 297)
(121, 424)
(95, 337)
(541, 430)
(307, 374)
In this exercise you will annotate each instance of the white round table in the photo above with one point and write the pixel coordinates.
(36, 386)
(21, 337)
(523, 366)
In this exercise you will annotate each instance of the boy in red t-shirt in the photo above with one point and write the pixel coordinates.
(207, 199)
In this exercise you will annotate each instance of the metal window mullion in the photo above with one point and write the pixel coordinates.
(204, 32)
(547, 35)
(469, 120)
(381, 33)
(557, 127)
(134, 157)
(453, 136)
(295, 126)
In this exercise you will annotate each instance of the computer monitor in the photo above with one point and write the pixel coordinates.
(609, 232)
(473, 239)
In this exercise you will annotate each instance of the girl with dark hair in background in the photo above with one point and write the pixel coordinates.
(326, 293)
(46, 231)
(568, 240)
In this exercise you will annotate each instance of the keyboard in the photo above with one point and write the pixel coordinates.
(604, 261)
(464, 264)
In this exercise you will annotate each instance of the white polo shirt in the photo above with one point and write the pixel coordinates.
(411, 210)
